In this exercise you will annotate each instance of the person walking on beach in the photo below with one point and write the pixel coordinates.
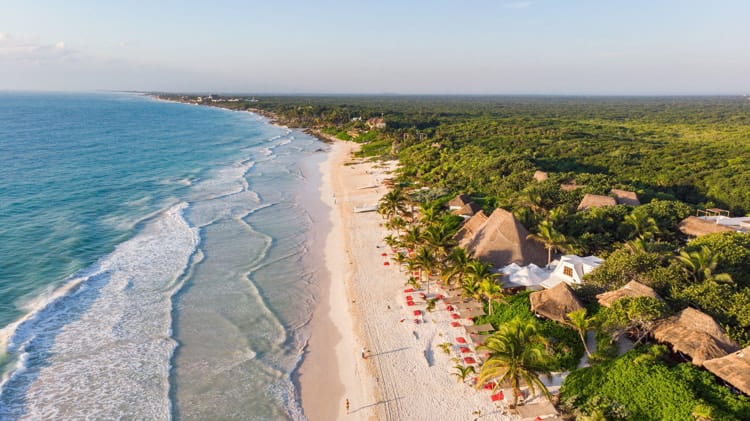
(364, 354)
(346, 405)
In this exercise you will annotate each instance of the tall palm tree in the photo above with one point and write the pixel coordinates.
(396, 223)
(440, 238)
(412, 237)
(701, 265)
(456, 265)
(392, 203)
(491, 290)
(551, 238)
(578, 321)
(425, 261)
(517, 354)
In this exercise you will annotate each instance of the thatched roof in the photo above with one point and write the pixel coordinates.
(631, 289)
(696, 334)
(479, 328)
(570, 187)
(624, 197)
(694, 226)
(501, 240)
(469, 229)
(733, 369)
(540, 176)
(468, 209)
(596, 201)
(459, 201)
(555, 303)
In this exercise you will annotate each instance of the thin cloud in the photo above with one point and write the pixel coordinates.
(26, 50)
(518, 4)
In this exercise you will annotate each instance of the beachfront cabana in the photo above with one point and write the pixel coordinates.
(596, 201)
(733, 369)
(555, 303)
(696, 227)
(540, 176)
(470, 313)
(694, 334)
(467, 211)
(631, 290)
(459, 201)
(625, 197)
(500, 240)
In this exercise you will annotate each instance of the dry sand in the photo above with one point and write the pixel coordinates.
(406, 376)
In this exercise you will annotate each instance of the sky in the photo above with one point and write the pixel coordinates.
(557, 47)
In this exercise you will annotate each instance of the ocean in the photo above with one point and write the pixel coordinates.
(154, 259)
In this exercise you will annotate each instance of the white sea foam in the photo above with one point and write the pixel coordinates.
(101, 344)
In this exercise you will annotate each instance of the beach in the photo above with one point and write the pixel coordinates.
(405, 375)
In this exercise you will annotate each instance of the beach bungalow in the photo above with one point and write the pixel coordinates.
(555, 303)
(376, 123)
(500, 240)
(467, 211)
(734, 369)
(624, 197)
(540, 176)
(459, 202)
(695, 227)
(596, 201)
(694, 334)
(631, 290)
(571, 269)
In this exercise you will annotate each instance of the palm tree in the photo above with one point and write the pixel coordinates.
(471, 288)
(439, 237)
(425, 261)
(412, 237)
(400, 258)
(701, 265)
(551, 238)
(516, 355)
(463, 371)
(455, 265)
(392, 241)
(491, 290)
(396, 223)
(641, 225)
(578, 321)
(392, 203)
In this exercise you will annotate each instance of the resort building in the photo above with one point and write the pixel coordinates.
(624, 197)
(467, 211)
(570, 269)
(695, 227)
(555, 303)
(500, 240)
(709, 221)
(694, 334)
(631, 290)
(459, 201)
(734, 369)
(596, 201)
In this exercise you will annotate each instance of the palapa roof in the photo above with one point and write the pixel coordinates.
(733, 369)
(470, 227)
(459, 201)
(540, 176)
(694, 226)
(696, 334)
(624, 197)
(501, 240)
(555, 303)
(468, 209)
(479, 328)
(631, 289)
(596, 201)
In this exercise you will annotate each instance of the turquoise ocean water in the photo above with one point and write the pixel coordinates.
(152, 259)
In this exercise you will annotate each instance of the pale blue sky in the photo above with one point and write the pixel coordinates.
(476, 47)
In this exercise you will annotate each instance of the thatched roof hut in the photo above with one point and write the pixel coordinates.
(501, 240)
(624, 197)
(733, 369)
(570, 186)
(694, 226)
(459, 201)
(555, 303)
(468, 209)
(695, 334)
(631, 289)
(469, 229)
(540, 176)
(596, 201)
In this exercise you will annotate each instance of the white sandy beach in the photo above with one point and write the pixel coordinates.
(406, 376)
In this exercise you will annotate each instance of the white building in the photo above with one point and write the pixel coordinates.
(571, 269)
